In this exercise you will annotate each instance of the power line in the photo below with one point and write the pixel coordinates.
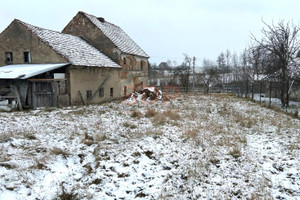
(169, 58)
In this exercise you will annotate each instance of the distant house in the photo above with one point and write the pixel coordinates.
(40, 68)
(116, 44)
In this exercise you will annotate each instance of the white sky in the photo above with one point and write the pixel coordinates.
(165, 29)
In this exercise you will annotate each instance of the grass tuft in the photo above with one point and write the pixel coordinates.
(150, 113)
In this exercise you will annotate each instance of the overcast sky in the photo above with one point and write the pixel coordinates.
(165, 29)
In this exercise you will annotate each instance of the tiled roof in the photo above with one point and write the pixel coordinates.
(77, 51)
(117, 36)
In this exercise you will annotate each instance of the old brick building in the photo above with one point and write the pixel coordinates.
(91, 61)
(47, 68)
(116, 44)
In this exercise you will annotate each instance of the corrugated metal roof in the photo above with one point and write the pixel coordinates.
(117, 36)
(73, 48)
(24, 71)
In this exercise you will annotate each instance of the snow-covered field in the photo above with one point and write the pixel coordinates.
(192, 147)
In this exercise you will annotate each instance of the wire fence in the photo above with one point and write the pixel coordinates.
(263, 92)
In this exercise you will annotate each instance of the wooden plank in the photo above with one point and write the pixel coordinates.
(49, 79)
(18, 97)
(55, 94)
(8, 97)
(81, 98)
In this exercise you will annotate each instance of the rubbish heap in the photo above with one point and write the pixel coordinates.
(147, 95)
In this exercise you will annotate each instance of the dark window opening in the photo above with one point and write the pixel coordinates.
(8, 57)
(27, 58)
(142, 65)
(89, 95)
(124, 61)
(125, 90)
(111, 92)
(101, 92)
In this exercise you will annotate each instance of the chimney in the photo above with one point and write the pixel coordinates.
(101, 19)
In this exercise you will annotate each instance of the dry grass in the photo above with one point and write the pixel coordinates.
(173, 115)
(150, 113)
(136, 114)
(159, 119)
(235, 152)
(29, 136)
(58, 151)
(191, 133)
(5, 137)
(99, 137)
(129, 125)
(154, 132)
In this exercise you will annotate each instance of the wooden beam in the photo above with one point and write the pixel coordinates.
(33, 80)
(8, 97)
(18, 97)
(81, 98)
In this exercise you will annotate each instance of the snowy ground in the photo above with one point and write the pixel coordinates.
(193, 147)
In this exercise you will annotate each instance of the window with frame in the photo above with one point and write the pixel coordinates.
(89, 95)
(101, 92)
(27, 58)
(8, 57)
(111, 92)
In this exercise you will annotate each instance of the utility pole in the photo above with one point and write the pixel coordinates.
(194, 60)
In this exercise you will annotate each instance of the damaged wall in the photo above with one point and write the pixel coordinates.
(134, 68)
(134, 73)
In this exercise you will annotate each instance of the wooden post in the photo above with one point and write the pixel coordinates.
(270, 93)
(287, 92)
(247, 89)
(81, 98)
(260, 89)
(252, 90)
(18, 97)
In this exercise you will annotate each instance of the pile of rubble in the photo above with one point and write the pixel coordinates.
(147, 95)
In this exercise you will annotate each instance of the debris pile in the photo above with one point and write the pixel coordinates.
(149, 94)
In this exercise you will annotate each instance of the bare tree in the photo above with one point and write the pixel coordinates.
(221, 61)
(256, 60)
(183, 72)
(228, 61)
(244, 72)
(210, 75)
(281, 42)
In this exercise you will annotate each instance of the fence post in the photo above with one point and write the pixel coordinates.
(270, 93)
(260, 88)
(287, 93)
